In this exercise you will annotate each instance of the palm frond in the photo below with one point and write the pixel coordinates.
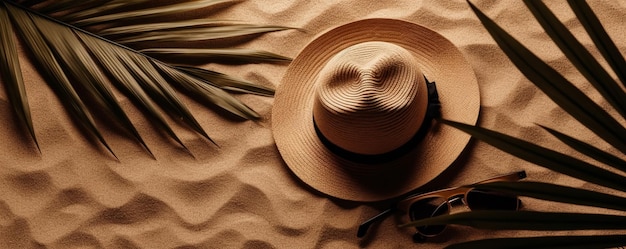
(526, 220)
(546, 242)
(66, 5)
(12, 76)
(588, 149)
(545, 157)
(558, 193)
(231, 55)
(54, 71)
(83, 12)
(81, 64)
(601, 39)
(585, 111)
(170, 34)
(126, 81)
(159, 11)
(227, 82)
(208, 92)
(579, 56)
(161, 26)
(559, 89)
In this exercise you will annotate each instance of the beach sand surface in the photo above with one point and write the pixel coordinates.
(75, 194)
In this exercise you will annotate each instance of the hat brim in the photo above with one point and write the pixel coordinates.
(308, 158)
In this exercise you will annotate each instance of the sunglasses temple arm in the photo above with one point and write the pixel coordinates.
(366, 225)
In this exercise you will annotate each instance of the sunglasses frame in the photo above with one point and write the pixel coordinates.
(448, 194)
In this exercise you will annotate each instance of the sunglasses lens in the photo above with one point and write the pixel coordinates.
(426, 208)
(490, 200)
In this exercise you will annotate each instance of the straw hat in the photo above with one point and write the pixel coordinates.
(350, 115)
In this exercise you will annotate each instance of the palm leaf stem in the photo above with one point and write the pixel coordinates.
(150, 27)
(200, 33)
(75, 28)
(252, 114)
(226, 82)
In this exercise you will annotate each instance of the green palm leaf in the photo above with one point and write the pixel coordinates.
(81, 65)
(547, 242)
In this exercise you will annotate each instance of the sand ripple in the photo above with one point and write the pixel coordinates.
(241, 195)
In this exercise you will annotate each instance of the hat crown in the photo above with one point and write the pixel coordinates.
(371, 98)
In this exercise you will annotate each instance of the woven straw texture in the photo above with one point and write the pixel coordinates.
(315, 165)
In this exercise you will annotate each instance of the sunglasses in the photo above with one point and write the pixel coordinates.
(440, 202)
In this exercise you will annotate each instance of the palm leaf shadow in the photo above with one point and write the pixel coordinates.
(585, 111)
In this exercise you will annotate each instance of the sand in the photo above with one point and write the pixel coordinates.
(241, 195)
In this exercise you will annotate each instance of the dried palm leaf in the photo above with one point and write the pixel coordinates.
(80, 64)
(12, 76)
(232, 55)
(226, 82)
(197, 34)
(54, 71)
(159, 11)
(125, 80)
